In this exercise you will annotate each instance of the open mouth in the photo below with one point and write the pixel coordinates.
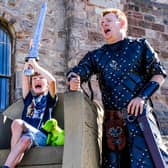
(38, 86)
(106, 31)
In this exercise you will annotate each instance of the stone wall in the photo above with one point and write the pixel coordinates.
(72, 29)
(22, 16)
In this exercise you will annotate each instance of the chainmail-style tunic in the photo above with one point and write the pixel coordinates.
(123, 69)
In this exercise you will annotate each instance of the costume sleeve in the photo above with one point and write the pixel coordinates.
(27, 101)
(28, 98)
(152, 62)
(51, 102)
(85, 68)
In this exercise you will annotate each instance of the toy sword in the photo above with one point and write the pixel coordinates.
(148, 127)
(33, 51)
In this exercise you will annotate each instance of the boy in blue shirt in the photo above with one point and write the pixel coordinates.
(39, 96)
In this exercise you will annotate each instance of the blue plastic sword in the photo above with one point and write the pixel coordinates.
(33, 51)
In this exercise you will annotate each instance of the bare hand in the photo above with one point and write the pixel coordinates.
(74, 83)
(28, 65)
(33, 63)
(135, 106)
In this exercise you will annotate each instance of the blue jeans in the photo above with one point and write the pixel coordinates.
(38, 138)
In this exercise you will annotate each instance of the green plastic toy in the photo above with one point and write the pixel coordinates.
(55, 133)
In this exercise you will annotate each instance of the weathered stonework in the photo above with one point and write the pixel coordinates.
(24, 15)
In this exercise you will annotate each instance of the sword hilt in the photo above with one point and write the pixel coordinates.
(27, 58)
(29, 72)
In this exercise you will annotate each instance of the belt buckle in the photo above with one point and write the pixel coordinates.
(131, 118)
(128, 117)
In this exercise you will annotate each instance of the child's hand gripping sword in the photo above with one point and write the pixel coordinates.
(33, 51)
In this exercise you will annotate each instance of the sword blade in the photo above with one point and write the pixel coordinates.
(33, 52)
(155, 152)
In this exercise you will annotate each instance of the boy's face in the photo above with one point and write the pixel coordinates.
(111, 27)
(39, 84)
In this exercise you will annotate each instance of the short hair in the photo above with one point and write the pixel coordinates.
(118, 13)
(35, 74)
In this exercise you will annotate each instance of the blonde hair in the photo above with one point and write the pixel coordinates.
(119, 14)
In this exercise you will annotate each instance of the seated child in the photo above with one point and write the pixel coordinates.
(39, 96)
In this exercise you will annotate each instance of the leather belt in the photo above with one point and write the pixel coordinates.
(118, 114)
(113, 114)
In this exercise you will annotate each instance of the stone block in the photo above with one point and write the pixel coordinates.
(149, 18)
(82, 140)
(158, 27)
(136, 31)
(38, 156)
(105, 3)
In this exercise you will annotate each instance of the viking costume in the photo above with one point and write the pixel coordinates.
(124, 70)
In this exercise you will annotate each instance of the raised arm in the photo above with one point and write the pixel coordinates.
(25, 82)
(50, 79)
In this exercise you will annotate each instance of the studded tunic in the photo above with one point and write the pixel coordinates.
(122, 69)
